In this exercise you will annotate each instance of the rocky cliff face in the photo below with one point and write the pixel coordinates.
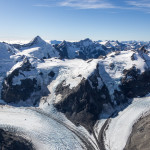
(83, 104)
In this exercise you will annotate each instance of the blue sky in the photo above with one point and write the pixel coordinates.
(75, 19)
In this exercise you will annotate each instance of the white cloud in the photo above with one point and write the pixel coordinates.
(87, 4)
(140, 4)
(41, 5)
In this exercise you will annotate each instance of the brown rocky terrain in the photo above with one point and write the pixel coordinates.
(140, 136)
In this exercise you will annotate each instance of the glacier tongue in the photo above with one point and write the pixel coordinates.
(45, 132)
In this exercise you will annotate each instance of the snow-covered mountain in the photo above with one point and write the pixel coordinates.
(83, 49)
(74, 95)
(37, 48)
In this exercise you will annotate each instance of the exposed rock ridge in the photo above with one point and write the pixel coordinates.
(83, 104)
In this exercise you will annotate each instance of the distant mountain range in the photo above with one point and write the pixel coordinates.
(83, 49)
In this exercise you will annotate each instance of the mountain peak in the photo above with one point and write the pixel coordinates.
(86, 42)
(87, 39)
(37, 40)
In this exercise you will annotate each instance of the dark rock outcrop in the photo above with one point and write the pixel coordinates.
(9, 141)
(81, 55)
(134, 83)
(15, 93)
(112, 66)
(143, 49)
(51, 74)
(62, 49)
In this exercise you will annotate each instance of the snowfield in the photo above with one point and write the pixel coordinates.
(69, 70)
